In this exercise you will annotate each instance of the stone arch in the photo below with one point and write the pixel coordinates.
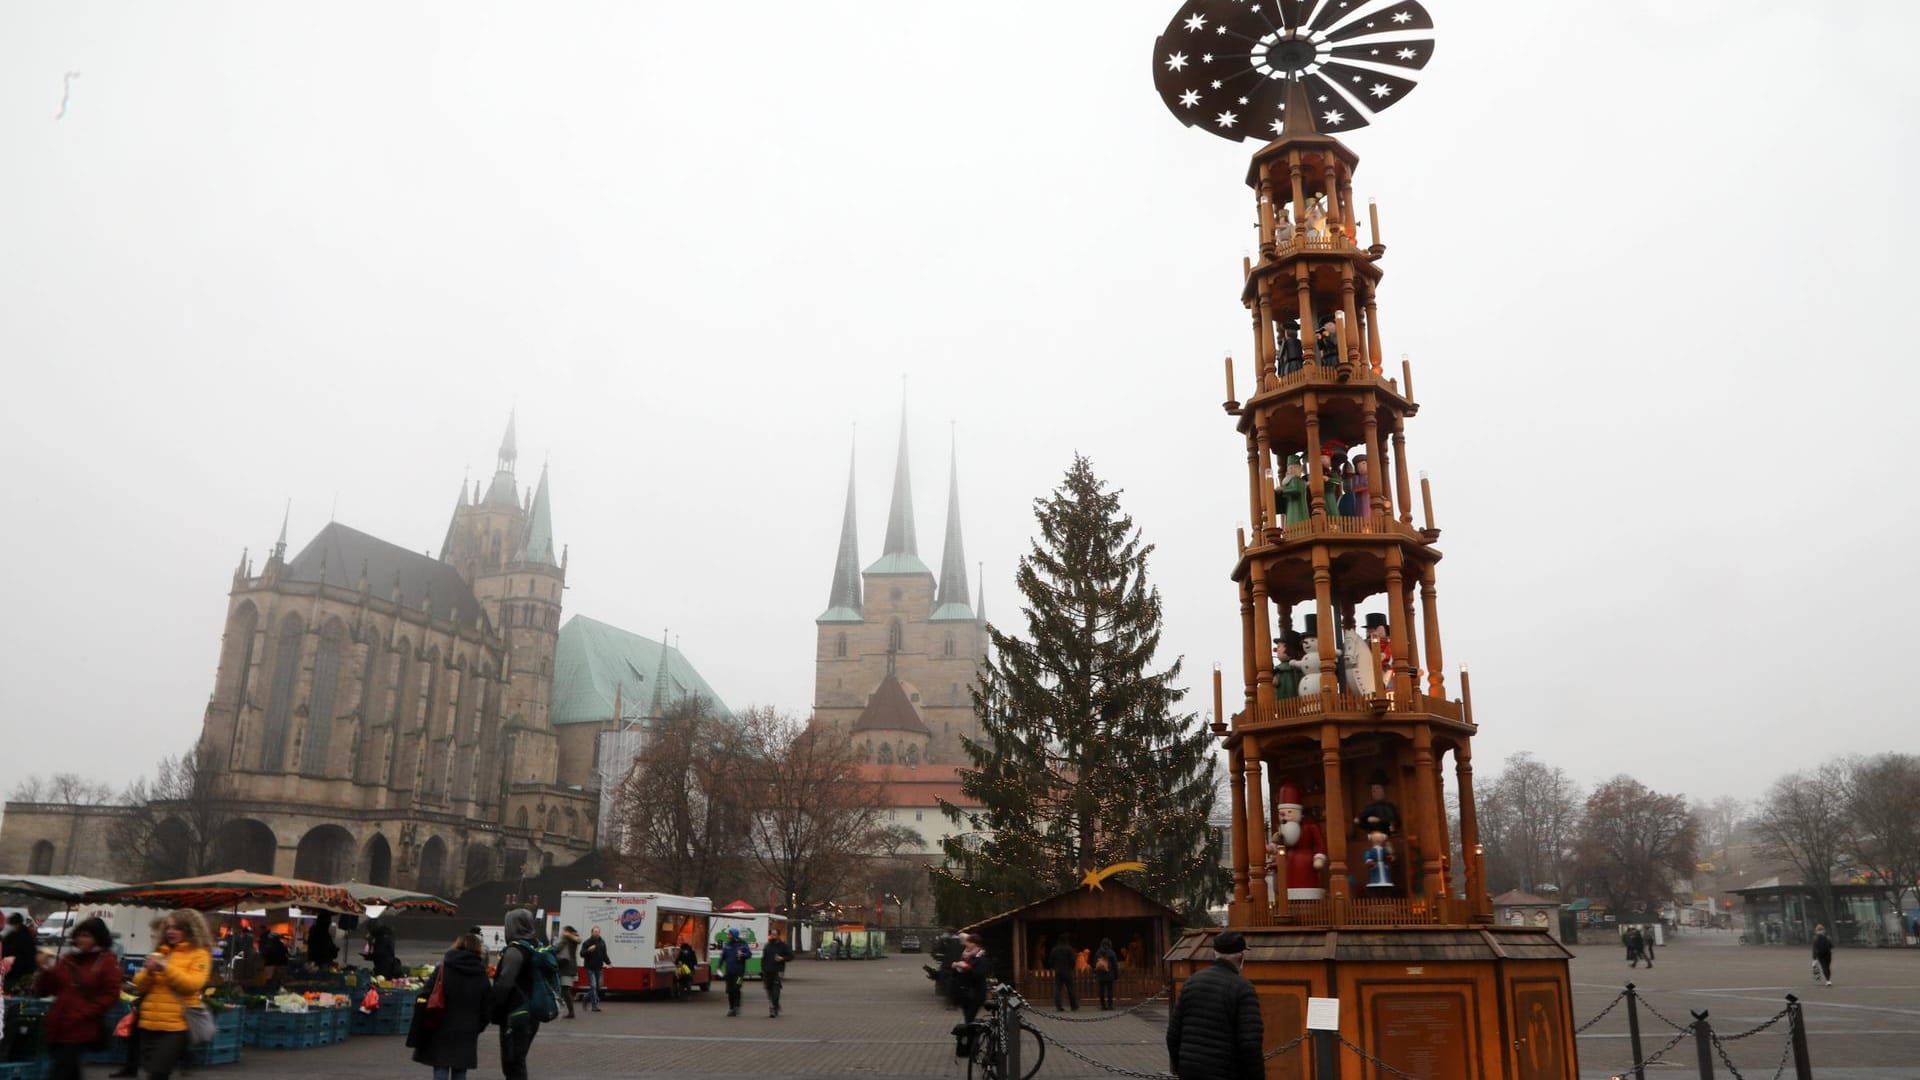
(949, 644)
(376, 861)
(553, 819)
(286, 671)
(431, 876)
(884, 756)
(573, 822)
(41, 862)
(840, 643)
(327, 661)
(236, 652)
(326, 854)
(172, 853)
(520, 818)
(245, 844)
(911, 755)
(479, 865)
(896, 637)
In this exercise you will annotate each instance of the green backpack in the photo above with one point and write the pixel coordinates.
(543, 999)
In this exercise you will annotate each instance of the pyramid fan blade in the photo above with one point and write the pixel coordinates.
(1407, 15)
(1401, 54)
(1374, 89)
(1333, 113)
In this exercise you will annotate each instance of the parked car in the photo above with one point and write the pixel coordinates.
(910, 943)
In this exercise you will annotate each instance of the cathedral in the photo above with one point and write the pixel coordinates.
(899, 650)
(382, 714)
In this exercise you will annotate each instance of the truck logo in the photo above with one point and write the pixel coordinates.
(631, 919)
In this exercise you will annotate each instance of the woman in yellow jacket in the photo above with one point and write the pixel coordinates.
(170, 983)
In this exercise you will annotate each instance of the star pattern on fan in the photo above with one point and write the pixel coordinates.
(1355, 57)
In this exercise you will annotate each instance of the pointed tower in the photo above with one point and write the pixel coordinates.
(952, 603)
(901, 553)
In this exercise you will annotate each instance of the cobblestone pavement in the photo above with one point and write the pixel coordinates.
(879, 1019)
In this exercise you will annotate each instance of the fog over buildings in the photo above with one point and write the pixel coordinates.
(1650, 262)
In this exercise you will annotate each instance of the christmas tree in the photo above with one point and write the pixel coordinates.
(1083, 761)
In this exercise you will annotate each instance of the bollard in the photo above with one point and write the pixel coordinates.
(1326, 1055)
(1010, 1010)
(1633, 1032)
(1703, 1041)
(1797, 1030)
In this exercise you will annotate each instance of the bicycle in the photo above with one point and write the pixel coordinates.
(988, 1037)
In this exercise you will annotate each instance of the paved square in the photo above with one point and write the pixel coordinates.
(879, 1019)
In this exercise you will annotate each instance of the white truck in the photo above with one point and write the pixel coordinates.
(129, 925)
(643, 932)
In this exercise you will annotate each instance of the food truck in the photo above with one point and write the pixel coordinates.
(755, 929)
(643, 931)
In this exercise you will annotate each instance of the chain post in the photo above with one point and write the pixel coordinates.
(1011, 1007)
(1326, 1055)
(1633, 1032)
(1703, 1041)
(1797, 1032)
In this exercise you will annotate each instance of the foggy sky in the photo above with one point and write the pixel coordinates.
(1651, 261)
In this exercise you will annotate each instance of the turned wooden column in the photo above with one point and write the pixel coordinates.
(1430, 610)
(1375, 357)
(1263, 479)
(1255, 819)
(1297, 172)
(1316, 478)
(1376, 480)
(1309, 345)
(1351, 307)
(1256, 479)
(1267, 237)
(1268, 354)
(1249, 643)
(1400, 626)
(1470, 829)
(1403, 484)
(1260, 644)
(1239, 770)
(1433, 834)
(1336, 825)
(1328, 630)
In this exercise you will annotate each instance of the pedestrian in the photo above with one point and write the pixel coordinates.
(1646, 947)
(773, 969)
(1635, 943)
(513, 992)
(593, 957)
(448, 1038)
(1106, 970)
(569, 956)
(969, 990)
(157, 936)
(1822, 954)
(170, 983)
(273, 958)
(83, 984)
(1215, 1031)
(1063, 960)
(321, 951)
(733, 965)
(386, 962)
(17, 945)
(947, 950)
(685, 963)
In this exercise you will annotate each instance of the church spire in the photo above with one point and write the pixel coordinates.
(453, 523)
(280, 545)
(508, 451)
(952, 600)
(843, 604)
(900, 538)
(538, 546)
(503, 490)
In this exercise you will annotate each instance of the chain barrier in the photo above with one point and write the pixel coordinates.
(1602, 1015)
(1786, 1052)
(1136, 1007)
(1118, 1071)
(1655, 1056)
(1720, 1048)
(1648, 1005)
(1751, 1032)
(1376, 1062)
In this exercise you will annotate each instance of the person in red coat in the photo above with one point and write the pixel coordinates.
(83, 984)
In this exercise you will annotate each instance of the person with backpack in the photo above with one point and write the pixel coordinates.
(773, 969)
(593, 957)
(733, 964)
(569, 954)
(83, 984)
(451, 1011)
(1822, 955)
(685, 963)
(1106, 970)
(526, 992)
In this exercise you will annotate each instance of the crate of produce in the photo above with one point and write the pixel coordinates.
(393, 1016)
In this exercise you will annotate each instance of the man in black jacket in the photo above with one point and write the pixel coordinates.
(1215, 1032)
(1063, 961)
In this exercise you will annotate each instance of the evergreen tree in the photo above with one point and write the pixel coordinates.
(1082, 760)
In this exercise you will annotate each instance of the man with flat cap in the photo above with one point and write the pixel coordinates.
(1215, 1032)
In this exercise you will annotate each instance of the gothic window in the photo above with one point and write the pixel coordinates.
(326, 680)
(896, 636)
(520, 818)
(240, 630)
(885, 756)
(949, 646)
(553, 820)
(506, 616)
(286, 670)
(911, 755)
(840, 644)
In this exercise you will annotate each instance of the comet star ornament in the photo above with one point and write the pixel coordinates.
(1352, 57)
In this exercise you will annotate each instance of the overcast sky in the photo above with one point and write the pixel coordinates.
(1652, 260)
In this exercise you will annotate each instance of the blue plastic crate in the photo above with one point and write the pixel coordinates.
(22, 1070)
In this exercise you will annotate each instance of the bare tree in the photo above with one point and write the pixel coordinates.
(1635, 845)
(1883, 803)
(1529, 813)
(815, 820)
(1720, 824)
(679, 816)
(62, 789)
(174, 827)
(1804, 821)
